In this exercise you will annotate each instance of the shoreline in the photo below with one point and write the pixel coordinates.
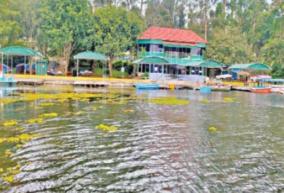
(97, 82)
(93, 82)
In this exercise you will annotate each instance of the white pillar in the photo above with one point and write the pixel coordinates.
(11, 64)
(77, 67)
(2, 69)
(25, 61)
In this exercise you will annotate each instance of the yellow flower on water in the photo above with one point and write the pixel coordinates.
(79, 113)
(8, 153)
(212, 129)
(49, 115)
(10, 123)
(169, 101)
(23, 138)
(1, 170)
(204, 101)
(46, 104)
(62, 100)
(107, 128)
(35, 121)
(9, 179)
(19, 146)
(13, 139)
(26, 137)
(85, 100)
(19, 128)
(229, 100)
(128, 110)
(2, 140)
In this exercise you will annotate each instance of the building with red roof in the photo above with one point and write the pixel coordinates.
(172, 52)
(172, 36)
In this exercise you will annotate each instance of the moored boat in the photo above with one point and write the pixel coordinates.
(262, 90)
(7, 81)
(149, 86)
(205, 89)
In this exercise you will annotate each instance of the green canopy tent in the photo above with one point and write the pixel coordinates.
(250, 67)
(88, 55)
(18, 51)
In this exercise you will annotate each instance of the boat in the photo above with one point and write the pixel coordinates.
(262, 90)
(149, 86)
(205, 90)
(7, 82)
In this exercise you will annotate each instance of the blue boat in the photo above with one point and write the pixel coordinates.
(205, 90)
(7, 82)
(148, 86)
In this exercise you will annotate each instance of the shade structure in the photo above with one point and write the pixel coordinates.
(211, 64)
(19, 51)
(252, 66)
(152, 60)
(89, 55)
(243, 73)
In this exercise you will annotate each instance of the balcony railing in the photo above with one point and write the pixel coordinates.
(172, 60)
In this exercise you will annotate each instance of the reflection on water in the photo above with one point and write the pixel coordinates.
(157, 148)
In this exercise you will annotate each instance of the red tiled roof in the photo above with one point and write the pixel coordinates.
(173, 35)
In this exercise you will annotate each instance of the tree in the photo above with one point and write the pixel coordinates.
(116, 30)
(66, 26)
(28, 19)
(180, 17)
(229, 46)
(9, 27)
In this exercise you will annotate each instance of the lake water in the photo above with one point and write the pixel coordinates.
(222, 142)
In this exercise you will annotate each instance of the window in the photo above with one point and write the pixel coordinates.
(184, 52)
(144, 47)
(156, 48)
(196, 52)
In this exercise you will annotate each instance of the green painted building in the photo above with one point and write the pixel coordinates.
(173, 53)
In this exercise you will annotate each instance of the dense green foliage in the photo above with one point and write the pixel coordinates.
(237, 30)
(116, 30)
(66, 26)
(9, 26)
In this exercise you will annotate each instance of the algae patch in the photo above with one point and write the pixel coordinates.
(35, 121)
(229, 100)
(107, 128)
(48, 115)
(169, 101)
(10, 123)
(212, 129)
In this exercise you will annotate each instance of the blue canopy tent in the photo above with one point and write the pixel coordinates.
(25, 68)
(6, 68)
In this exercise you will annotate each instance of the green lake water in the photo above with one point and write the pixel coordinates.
(154, 148)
